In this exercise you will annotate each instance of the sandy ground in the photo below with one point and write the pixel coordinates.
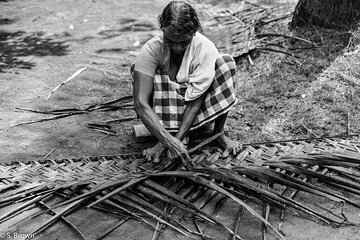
(42, 44)
(47, 44)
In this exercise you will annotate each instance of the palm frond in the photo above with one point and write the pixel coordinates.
(162, 197)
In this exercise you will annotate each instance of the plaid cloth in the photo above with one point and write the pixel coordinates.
(169, 103)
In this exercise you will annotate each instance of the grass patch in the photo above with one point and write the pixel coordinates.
(314, 94)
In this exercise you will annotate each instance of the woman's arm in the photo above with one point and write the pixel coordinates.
(143, 87)
(190, 113)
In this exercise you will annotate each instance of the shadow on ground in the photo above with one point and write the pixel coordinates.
(17, 45)
(129, 26)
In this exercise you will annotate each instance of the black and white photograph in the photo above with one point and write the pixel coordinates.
(180, 120)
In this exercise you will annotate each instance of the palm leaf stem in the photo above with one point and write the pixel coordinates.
(237, 222)
(183, 194)
(219, 204)
(348, 157)
(295, 183)
(266, 195)
(207, 141)
(283, 202)
(17, 194)
(197, 194)
(313, 139)
(347, 171)
(171, 183)
(344, 188)
(117, 205)
(158, 228)
(101, 192)
(72, 226)
(121, 188)
(42, 190)
(184, 204)
(198, 159)
(23, 206)
(324, 171)
(255, 196)
(73, 206)
(203, 233)
(216, 209)
(266, 211)
(192, 196)
(293, 194)
(31, 216)
(205, 201)
(345, 220)
(186, 190)
(129, 201)
(176, 186)
(113, 228)
(169, 200)
(324, 178)
(320, 162)
(200, 180)
(109, 209)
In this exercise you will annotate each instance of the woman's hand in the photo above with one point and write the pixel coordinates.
(177, 149)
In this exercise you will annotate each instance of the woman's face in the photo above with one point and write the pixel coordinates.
(177, 42)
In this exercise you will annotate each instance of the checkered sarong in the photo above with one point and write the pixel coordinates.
(169, 103)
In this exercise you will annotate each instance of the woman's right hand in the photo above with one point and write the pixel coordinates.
(177, 149)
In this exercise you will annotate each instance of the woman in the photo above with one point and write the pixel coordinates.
(181, 83)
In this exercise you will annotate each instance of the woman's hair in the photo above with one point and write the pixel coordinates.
(179, 17)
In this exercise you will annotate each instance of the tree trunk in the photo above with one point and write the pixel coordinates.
(326, 13)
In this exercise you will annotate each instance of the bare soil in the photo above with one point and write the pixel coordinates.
(44, 43)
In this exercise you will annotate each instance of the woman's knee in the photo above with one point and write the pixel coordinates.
(227, 59)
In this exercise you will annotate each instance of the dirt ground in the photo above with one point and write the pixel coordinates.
(44, 43)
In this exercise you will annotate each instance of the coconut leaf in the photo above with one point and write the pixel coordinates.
(203, 233)
(184, 204)
(320, 162)
(64, 219)
(137, 205)
(114, 203)
(71, 207)
(200, 180)
(23, 206)
(97, 190)
(324, 178)
(237, 222)
(273, 176)
(123, 187)
(133, 188)
(111, 229)
(348, 172)
(265, 194)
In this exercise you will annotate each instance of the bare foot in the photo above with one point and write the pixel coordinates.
(228, 145)
(154, 152)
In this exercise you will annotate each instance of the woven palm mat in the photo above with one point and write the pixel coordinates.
(40, 197)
